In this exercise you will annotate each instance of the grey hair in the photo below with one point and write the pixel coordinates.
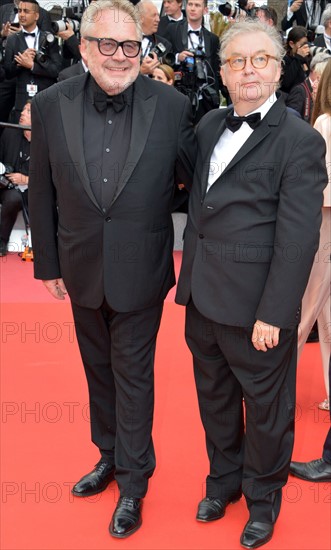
(326, 15)
(93, 13)
(251, 26)
(319, 59)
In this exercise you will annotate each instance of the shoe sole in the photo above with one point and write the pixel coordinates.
(257, 545)
(127, 534)
(327, 480)
(91, 493)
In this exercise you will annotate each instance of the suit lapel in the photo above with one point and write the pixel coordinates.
(143, 109)
(183, 36)
(216, 129)
(72, 105)
(207, 42)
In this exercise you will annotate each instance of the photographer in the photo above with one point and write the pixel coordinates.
(197, 59)
(296, 60)
(31, 55)
(151, 56)
(15, 155)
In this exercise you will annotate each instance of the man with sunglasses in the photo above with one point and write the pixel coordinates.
(105, 151)
(252, 232)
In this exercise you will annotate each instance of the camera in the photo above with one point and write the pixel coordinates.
(59, 26)
(42, 53)
(5, 183)
(160, 49)
(232, 9)
(192, 72)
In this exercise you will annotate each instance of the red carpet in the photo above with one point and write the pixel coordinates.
(45, 443)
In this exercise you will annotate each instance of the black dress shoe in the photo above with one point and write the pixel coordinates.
(210, 509)
(96, 481)
(126, 519)
(256, 534)
(315, 470)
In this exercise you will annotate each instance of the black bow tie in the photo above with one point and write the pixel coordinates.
(233, 123)
(194, 32)
(29, 33)
(102, 101)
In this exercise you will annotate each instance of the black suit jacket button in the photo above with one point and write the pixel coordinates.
(108, 219)
(201, 236)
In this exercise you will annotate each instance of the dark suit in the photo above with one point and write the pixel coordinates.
(301, 100)
(116, 264)
(248, 250)
(73, 70)
(300, 16)
(178, 36)
(7, 87)
(43, 74)
(164, 25)
(320, 42)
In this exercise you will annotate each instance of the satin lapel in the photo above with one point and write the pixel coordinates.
(216, 129)
(183, 36)
(143, 110)
(72, 119)
(207, 41)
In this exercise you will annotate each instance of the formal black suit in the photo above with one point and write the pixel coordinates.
(300, 17)
(7, 87)
(43, 74)
(116, 263)
(178, 36)
(300, 99)
(248, 249)
(164, 25)
(73, 70)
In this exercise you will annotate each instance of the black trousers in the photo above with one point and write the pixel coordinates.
(118, 351)
(11, 204)
(250, 442)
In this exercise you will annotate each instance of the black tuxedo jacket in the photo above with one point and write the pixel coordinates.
(164, 25)
(42, 74)
(320, 42)
(125, 253)
(251, 240)
(300, 98)
(73, 70)
(300, 16)
(177, 34)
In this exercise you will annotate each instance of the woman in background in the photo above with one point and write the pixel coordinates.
(164, 73)
(316, 300)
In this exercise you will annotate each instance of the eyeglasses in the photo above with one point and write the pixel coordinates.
(259, 61)
(109, 46)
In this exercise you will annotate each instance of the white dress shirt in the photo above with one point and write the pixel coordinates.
(229, 143)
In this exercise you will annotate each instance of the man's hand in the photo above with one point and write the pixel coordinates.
(149, 64)
(296, 5)
(7, 30)
(182, 55)
(26, 58)
(17, 178)
(67, 33)
(264, 336)
(56, 288)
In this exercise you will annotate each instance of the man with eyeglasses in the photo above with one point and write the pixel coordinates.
(252, 232)
(108, 150)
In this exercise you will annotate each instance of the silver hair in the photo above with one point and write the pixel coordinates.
(319, 58)
(326, 15)
(92, 14)
(251, 26)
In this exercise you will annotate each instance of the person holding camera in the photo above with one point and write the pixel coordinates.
(15, 156)
(153, 47)
(296, 60)
(192, 42)
(305, 13)
(31, 55)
